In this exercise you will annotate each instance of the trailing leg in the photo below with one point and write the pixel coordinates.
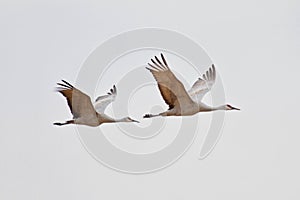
(163, 114)
(64, 123)
(150, 115)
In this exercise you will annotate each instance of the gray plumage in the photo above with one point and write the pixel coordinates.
(180, 101)
(84, 111)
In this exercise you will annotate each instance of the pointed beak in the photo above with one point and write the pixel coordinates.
(233, 108)
(135, 121)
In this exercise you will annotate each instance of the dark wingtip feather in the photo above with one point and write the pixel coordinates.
(113, 90)
(157, 66)
(161, 65)
(207, 75)
(67, 83)
(213, 68)
(164, 60)
(59, 89)
(214, 71)
(63, 85)
(153, 68)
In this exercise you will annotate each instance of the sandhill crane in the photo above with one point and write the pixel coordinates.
(180, 101)
(84, 112)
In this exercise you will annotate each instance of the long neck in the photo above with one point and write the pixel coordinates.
(124, 119)
(206, 108)
(107, 119)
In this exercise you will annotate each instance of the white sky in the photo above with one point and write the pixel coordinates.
(255, 45)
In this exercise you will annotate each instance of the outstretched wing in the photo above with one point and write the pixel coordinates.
(79, 103)
(203, 85)
(171, 89)
(103, 101)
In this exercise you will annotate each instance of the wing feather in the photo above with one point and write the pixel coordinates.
(203, 85)
(79, 103)
(103, 101)
(171, 89)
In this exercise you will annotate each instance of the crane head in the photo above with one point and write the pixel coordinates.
(128, 119)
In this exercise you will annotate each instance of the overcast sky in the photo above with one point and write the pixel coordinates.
(255, 46)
